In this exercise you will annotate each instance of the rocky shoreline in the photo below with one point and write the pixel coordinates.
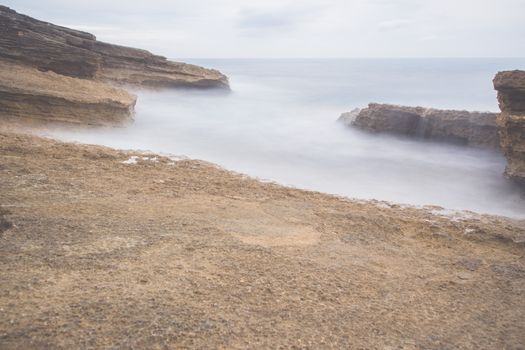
(78, 54)
(104, 248)
(501, 131)
(67, 76)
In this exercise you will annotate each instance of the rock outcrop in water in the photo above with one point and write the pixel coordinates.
(460, 127)
(31, 96)
(46, 46)
(511, 96)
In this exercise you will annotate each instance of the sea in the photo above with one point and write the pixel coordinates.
(279, 123)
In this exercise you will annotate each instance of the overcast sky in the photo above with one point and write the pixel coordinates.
(297, 28)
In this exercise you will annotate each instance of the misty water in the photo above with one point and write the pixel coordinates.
(279, 123)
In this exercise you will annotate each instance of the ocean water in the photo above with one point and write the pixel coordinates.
(278, 123)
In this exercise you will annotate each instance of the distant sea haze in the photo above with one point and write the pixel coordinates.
(279, 123)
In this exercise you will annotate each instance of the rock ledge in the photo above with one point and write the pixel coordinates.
(28, 95)
(74, 53)
(460, 127)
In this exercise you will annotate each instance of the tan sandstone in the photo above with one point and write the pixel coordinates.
(30, 96)
(511, 96)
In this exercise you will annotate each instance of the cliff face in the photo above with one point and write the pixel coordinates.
(461, 127)
(50, 73)
(511, 96)
(126, 65)
(31, 96)
(46, 46)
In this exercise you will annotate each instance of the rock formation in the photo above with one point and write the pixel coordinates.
(78, 54)
(126, 65)
(29, 95)
(50, 73)
(511, 96)
(461, 127)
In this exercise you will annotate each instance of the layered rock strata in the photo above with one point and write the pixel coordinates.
(74, 53)
(28, 95)
(511, 96)
(461, 127)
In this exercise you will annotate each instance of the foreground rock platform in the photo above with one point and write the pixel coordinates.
(511, 96)
(74, 53)
(28, 96)
(460, 127)
(107, 249)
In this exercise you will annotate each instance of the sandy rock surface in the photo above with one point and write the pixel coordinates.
(29, 96)
(107, 249)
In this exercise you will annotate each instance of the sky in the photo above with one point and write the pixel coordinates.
(296, 28)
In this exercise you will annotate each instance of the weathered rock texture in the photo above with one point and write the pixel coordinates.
(78, 54)
(98, 252)
(29, 95)
(462, 127)
(511, 96)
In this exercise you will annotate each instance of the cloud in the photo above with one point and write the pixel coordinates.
(296, 28)
(250, 19)
(429, 38)
(277, 18)
(394, 24)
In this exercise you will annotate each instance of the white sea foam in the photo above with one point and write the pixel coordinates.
(279, 123)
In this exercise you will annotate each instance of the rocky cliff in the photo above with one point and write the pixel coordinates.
(511, 96)
(50, 73)
(46, 46)
(30, 96)
(461, 127)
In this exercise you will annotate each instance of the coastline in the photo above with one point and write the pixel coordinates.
(108, 248)
(113, 248)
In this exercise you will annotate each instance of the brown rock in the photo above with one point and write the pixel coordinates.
(46, 46)
(461, 127)
(27, 94)
(126, 65)
(78, 54)
(511, 96)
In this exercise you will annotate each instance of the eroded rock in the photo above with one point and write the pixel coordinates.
(460, 127)
(74, 53)
(28, 95)
(511, 96)
(126, 65)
